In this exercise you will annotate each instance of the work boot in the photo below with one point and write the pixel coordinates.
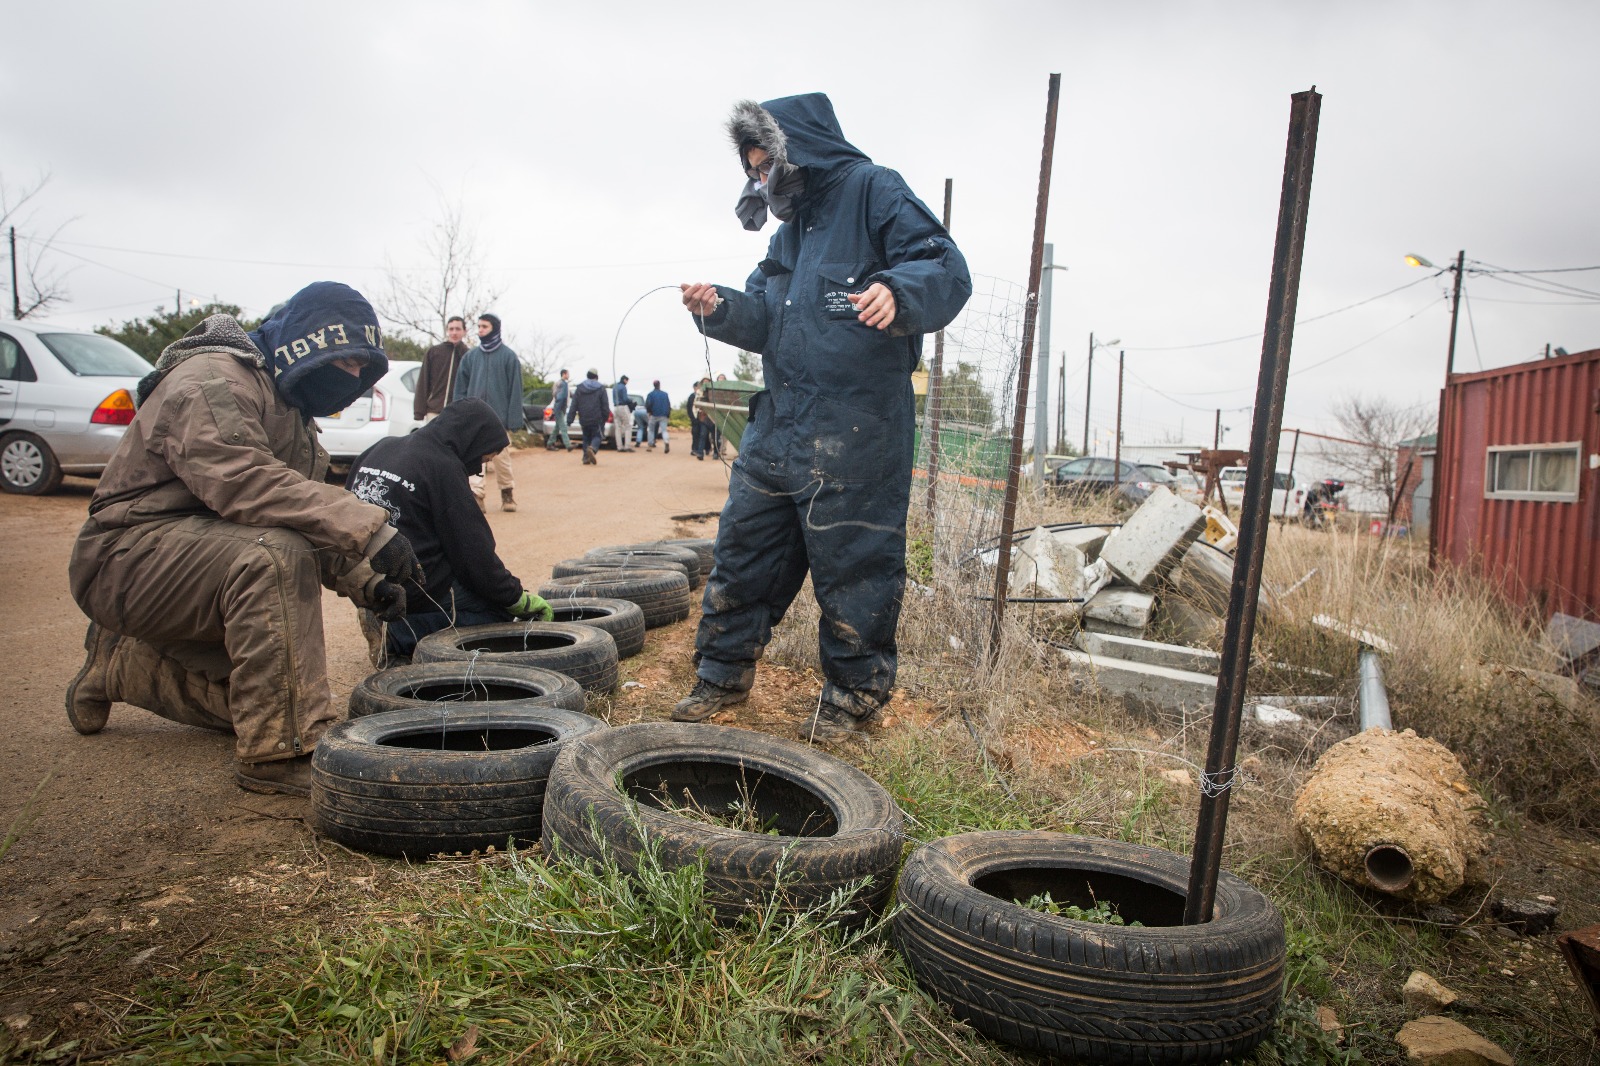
(666, 446)
(281, 777)
(706, 700)
(829, 723)
(506, 502)
(88, 701)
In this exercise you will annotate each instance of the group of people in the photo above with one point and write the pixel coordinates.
(213, 530)
(489, 371)
(589, 406)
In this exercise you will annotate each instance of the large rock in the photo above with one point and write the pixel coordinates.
(1436, 1041)
(1153, 539)
(1392, 811)
(1425, 995)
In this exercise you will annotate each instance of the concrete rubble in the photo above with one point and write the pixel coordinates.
(1576, 643)
(1122, 611)
(1153, 540)
(1437, 1041)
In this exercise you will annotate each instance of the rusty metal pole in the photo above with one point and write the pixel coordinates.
(1008, 513)
(1294, 450)
(1116, 470)
(935, 389)
(1216, 787)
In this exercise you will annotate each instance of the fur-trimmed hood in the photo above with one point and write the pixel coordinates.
(216, 333)
(800, 130)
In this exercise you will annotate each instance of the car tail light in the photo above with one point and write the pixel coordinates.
(380, 406)
(549, 414)
(1148, 486)
(115, 410)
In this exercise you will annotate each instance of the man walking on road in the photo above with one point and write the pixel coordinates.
(438, 374)
(858, 271)
(658, 407)
(213, 532)
(589, 400)
(622, 415)
(493, 373)
(558, 416)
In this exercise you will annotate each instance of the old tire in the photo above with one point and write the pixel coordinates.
(584, 653)
(417, 782)
(603, 565)
(27, 465)
(621, 618)
(701, 546)
(476, 686)
(836, 825)
(649, 554)
(662, 595)
(1165, 993)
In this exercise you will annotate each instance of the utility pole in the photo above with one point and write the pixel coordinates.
(1061, 406)
(1441, 499)
(1455, 311)
(1041, 407)
(1088, 393)
(16, 296)
(1216, 432)
(1117, 472)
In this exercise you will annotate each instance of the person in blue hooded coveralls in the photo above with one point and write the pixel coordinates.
(856, 273)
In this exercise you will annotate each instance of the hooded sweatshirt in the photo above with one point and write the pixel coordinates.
(421, 481)
(838, 391)
(589, 400)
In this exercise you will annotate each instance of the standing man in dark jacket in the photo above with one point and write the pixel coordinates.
(658, 408)
(421, 480)
(493, 373)
(589, 399)
(558, 415)
(859, 270)
(438, 374)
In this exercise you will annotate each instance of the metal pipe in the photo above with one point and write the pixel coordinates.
(1008, 513)
(1041, 406)
(1088, 394)
(1116, 469)
(1374, 698)
(1294, 450)
(936, 388)
(1256, 508)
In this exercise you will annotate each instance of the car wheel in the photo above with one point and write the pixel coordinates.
(418, 782)
(464, 685)
(1159, 992)
(583, 653)
(27, 466)
(807, 825)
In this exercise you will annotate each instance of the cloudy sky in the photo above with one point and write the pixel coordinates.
(237, 151)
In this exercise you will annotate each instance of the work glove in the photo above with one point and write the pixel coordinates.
(533, 606)
(389, 601)
(396, 561)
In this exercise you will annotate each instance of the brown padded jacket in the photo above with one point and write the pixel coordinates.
(212, 436)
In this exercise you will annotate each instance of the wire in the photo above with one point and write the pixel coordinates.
(1472, 329)
(1534, 284)
(1553, 286)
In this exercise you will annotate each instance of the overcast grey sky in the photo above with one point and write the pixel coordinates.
(585, 142)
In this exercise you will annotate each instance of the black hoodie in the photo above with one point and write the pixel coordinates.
(421, 479)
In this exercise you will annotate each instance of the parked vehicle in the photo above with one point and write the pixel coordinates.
(382, 411)
(1288, 490)
(66, 398)
(541, 416)
(1091, 474)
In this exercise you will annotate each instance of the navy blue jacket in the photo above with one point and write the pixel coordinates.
(658, 404)
(838, 391)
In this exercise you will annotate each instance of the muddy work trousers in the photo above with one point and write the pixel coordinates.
(222, 627)
(852, 539)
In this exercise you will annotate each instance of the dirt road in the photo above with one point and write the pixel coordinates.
(137, 811)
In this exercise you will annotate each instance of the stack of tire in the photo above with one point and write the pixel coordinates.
(657, 576)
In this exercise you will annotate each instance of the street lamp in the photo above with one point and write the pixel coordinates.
(1439, 503)
(1088, 383)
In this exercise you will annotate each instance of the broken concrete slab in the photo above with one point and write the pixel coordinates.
(1087, 539)
(1425, 995)
(1437, 1041)
(1153, 539)
(1150, 652)
(1205, 578)
(1158, 687)
(1045, 568)
(1127, 608)
(1181, 622)
(1352, 630)
(1575, 640)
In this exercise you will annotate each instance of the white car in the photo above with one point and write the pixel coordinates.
(66, 398)
(1288, 490)
(382, 411)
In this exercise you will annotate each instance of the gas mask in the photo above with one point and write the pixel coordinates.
(781, 192)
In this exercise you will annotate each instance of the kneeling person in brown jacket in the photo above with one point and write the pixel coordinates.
(213, 532)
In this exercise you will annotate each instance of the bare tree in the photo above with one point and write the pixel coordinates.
(39, 285)
(453, 279)
(1374, 426)
(539, 351)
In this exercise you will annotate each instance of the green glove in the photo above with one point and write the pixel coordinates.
(534, 606)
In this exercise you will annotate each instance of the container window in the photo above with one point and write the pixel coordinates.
(1533, 472)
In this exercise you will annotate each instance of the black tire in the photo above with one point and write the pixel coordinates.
(1163, 993)
(584, 653)
(417, 782)
(652, 553)
(837, 825)
(27, 465)
(662, 595)
(602, 565)
(479, 686)
(621, 618)
(701, 546)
